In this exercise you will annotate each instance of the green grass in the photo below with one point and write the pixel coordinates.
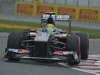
(93, 33)
(9, 30)
(18, 23)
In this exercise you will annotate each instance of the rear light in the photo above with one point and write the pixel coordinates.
(58, 52)
(23, 51)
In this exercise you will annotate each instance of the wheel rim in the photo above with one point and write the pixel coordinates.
(77, 54)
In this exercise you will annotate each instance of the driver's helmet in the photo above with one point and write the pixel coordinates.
(50, 20)
(50, 28)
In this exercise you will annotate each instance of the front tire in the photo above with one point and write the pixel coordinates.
(73, 44)
(14, 42)
(84, 45)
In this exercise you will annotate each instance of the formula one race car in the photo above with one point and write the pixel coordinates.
(48, 43)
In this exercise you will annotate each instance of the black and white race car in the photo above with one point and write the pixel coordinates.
(48, 43)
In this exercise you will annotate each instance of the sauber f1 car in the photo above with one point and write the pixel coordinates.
(48, 43)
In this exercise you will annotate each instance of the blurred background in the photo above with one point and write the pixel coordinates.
(8, 6)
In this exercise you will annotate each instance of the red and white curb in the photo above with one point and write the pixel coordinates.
(92, 65)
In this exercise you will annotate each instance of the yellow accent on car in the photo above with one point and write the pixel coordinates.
(50, 26)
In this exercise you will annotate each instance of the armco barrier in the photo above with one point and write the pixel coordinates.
(76, 12)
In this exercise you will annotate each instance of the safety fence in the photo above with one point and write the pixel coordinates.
(88, 3)
(76, 12)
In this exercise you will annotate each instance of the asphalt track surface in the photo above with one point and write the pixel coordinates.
(36, 68)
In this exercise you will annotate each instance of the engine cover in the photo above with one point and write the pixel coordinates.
(42, 37)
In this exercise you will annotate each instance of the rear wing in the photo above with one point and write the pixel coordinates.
(56, 17)
(62, 17)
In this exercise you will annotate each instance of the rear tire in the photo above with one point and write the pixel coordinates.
(73, 44)
(84, 45)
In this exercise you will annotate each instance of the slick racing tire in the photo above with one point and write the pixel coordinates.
(73, 44)
(14, 42)
(84, 45)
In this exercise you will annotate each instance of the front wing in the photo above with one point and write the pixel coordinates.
(24, 54)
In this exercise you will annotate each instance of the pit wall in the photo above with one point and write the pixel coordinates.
(76, 12)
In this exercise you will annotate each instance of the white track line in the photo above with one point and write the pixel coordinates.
(93, 60)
